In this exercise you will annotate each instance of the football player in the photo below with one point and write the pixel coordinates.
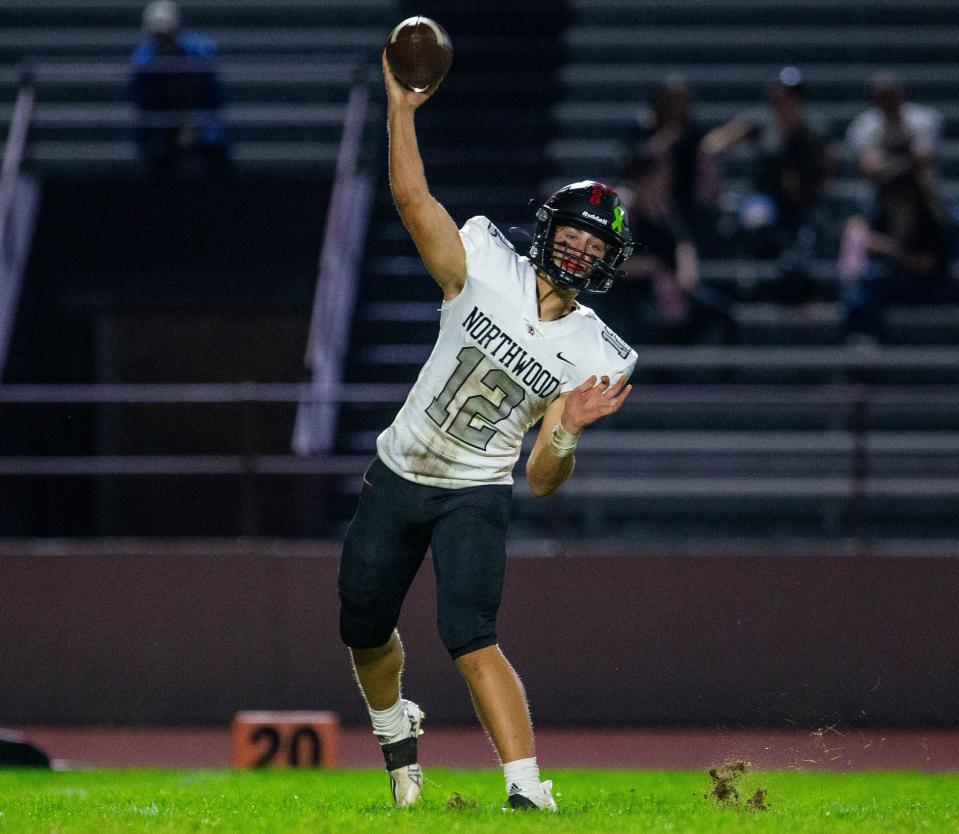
(514, 347)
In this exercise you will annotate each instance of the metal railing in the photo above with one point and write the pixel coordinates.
(847, 413)
(850, 406)
(341, 256)
(19, 197)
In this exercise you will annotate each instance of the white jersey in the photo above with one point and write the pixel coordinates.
(494, 370)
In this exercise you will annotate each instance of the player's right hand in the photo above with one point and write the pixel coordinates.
(399, 96)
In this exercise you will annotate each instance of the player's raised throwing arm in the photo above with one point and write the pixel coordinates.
(551, 461)
(432, 229)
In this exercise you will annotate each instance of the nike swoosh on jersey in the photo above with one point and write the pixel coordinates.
(560, 356)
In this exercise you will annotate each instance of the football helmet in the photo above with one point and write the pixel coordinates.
(584, 205)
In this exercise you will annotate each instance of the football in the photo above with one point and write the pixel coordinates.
(419, 53)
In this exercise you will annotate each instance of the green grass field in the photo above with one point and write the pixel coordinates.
(101, 802)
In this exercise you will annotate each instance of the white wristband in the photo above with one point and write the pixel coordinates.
(561, 442)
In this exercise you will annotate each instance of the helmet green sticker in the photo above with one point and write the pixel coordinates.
(618, 217)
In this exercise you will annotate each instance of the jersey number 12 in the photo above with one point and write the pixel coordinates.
(474, 422)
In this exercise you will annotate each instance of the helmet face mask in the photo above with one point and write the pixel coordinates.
(596, 209)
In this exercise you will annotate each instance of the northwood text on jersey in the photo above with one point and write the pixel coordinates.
(498, 344)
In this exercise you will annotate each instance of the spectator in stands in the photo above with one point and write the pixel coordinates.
(670, 130)
(782, 218)
(661, 298)
(876, 138)
(899, 253)
(175, 89)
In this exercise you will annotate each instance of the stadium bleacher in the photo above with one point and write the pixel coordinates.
(286, 68)
(789, 434)
(185, 281)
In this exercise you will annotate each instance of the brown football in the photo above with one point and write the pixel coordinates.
(419, 53)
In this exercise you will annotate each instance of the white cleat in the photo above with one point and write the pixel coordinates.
(406, 775)
(518, 799)
(406, 783)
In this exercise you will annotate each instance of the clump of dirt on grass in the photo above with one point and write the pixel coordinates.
(458, 802)
(724, 791)
(725, 777)
(757, 802)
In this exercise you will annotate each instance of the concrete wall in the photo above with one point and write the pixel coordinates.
(147, 633)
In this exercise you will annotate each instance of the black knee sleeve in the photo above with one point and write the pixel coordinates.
(362, 627)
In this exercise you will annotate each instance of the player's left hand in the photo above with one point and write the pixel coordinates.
(592, 400)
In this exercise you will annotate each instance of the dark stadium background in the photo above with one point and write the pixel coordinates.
(766, 536)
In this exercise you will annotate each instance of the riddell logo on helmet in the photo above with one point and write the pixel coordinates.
(595, 217)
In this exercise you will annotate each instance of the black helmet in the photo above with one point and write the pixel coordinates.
(585, 205)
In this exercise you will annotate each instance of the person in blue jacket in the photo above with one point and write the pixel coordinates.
(175, 89)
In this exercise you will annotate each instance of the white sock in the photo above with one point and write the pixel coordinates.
(524, 773)
(390, 724)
